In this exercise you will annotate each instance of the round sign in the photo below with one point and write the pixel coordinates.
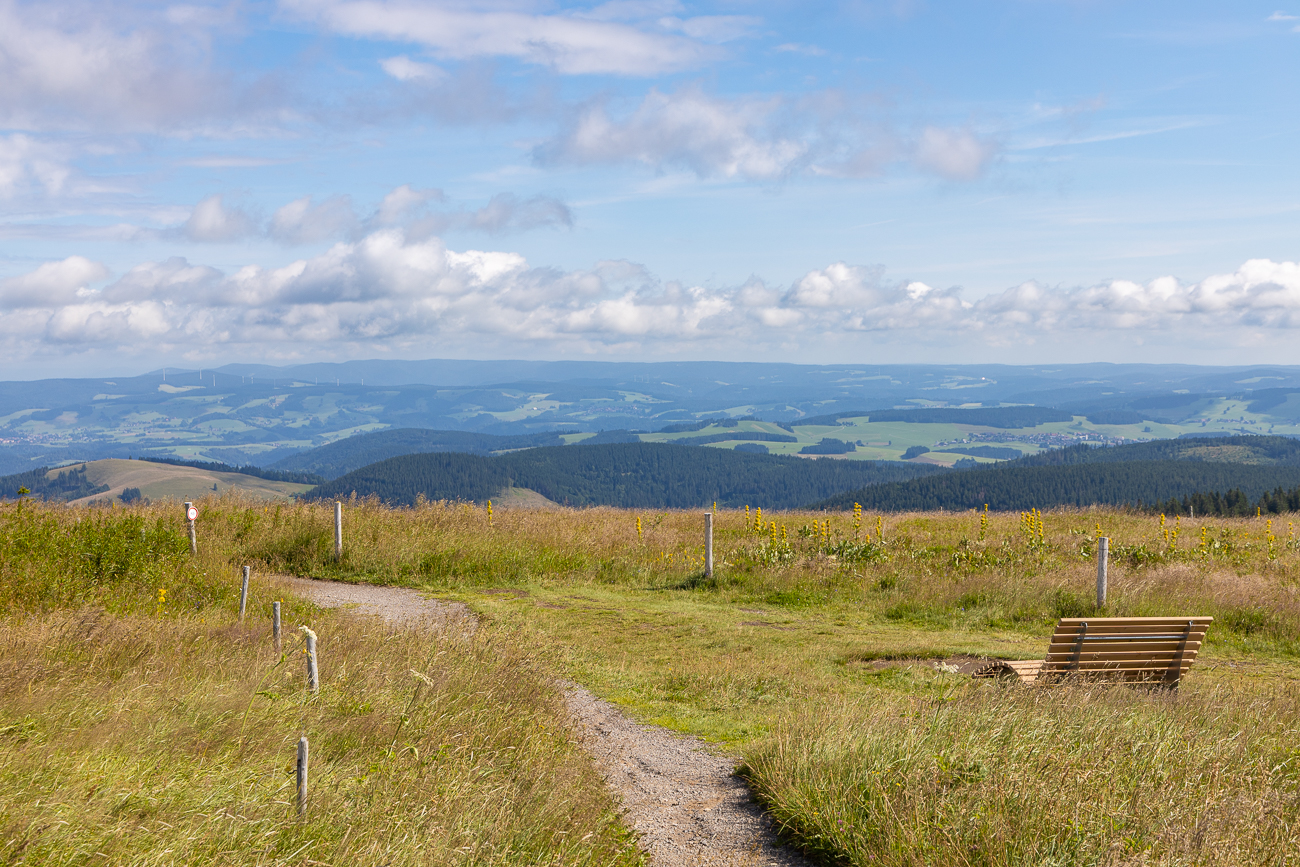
(192, 513)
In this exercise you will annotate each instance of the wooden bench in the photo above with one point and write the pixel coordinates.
(1151, 650)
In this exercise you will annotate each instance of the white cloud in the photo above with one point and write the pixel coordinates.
(505, 212)
(26, 162)
(302, 222)
(799, 48)
(712, 137)
(955, 154)
(1282, 16)
(403, 203)
(404, 68)
(827, 133)
(52, 284)
(212, 221)
(84, 66)
(567, 43)
(391, 293)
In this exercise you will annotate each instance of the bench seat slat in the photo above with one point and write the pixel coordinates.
(1157, 650)
(1126, 647)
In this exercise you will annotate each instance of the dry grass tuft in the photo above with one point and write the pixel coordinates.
(147, 741)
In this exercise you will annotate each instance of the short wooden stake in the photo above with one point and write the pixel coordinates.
(708, 544)
(275, 624)
(302, 776)
(243, 596)
(1103, 554)
(338, 531)
(313, 673)
(194, 539)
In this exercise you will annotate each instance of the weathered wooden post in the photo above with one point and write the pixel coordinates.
(313, 673)
(708, 544)
(1103, 554)
(243, 596)
(338, 530)
(302, 776)
(192, 515)
(275, 624)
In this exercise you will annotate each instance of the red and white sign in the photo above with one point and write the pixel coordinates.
(191, 513)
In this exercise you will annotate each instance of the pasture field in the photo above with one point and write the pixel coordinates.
(169, 481)
(827, 653)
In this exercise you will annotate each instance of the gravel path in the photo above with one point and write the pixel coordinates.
(686, 803)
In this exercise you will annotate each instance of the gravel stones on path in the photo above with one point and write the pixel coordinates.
(686, 803)
(395, 605)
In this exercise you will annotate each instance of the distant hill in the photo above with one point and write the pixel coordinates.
(333, 460)
(1006, 417)
(127, 480)
(1011, 488)
(629, 475)
(1145, 473)
(1282, 451)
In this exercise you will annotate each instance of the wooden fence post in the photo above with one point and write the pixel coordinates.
(708, 544)
(275, 624)
(338, 530)
(302, 776)
(190, 514)
(243, 596)
(1103, 555)
(313, 673)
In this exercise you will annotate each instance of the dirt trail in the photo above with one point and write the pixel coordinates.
(686, 802)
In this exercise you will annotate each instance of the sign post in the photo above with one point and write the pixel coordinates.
(192, 515)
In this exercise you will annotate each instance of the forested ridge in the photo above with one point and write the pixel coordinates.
(69, 484)
(1014, 487)
(333, 460)
(628, 475)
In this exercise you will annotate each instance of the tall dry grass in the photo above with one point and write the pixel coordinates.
(986, 775)
(925, 569)
(155, 740)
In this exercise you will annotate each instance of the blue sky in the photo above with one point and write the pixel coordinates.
(193, 184)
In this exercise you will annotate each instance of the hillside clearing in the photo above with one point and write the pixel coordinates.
(171, 482)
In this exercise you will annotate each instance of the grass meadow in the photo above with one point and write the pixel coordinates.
(824, 654)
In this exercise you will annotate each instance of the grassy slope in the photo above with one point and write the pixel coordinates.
(140, 723)
(164, 481)
(808, 657)
(786, 659)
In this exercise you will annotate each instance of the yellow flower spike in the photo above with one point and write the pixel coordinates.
(489, 512)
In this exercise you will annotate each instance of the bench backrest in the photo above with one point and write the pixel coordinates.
(1156, 650)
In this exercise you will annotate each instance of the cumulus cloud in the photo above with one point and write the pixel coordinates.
(308, 221)
(388, 291)
(728, 138)
(303, 222)
(26, 162)
(404, 68)
(505, 213)
(211, 221)
(53, 284)
(568, 43)
(88, 66)
(955, 154)
(826, 133)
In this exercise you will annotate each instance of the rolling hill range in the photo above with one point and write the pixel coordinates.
(252, 414)
(629, 475)
(1142, 473)
(110, 479)
(343, 456)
